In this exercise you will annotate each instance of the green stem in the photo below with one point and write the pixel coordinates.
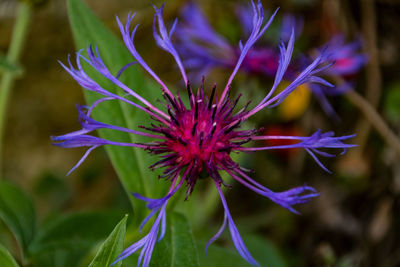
(17, 40)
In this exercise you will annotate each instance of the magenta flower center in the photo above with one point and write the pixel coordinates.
(195, 139)
(200, 137)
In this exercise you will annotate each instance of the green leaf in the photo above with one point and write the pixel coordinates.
(264, 252)
(6, 260)
(64, 240)
(178, 247)
(131, 165)
(17, 212)
(219, 257)
(112, 247)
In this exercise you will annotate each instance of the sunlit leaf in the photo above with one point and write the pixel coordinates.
(6, 260)
(112, 247)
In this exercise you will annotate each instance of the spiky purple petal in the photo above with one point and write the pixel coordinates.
(163, 39)
(285, 199)
(257, 31)
(311, 144)
(236, 238)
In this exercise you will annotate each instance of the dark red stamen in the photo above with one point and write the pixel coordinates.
(199, 138)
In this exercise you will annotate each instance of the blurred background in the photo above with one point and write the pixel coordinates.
(355, 221)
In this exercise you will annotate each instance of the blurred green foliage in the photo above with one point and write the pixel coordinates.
(392, 103)
(17, 212)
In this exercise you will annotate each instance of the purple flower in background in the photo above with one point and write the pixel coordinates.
(200, 136)
(203, 49)
(290, 21)
(347, 63)
(200, 46)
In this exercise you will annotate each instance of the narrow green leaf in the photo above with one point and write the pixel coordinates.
(64, 240)
(17, 212)
(178, 247)
(6, 260)
(131, 165)
(112, 247)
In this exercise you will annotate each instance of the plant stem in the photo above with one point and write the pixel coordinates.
(373, 73)
(17, 41)
(373, 117)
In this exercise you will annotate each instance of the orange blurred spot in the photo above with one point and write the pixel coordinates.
(296, 103)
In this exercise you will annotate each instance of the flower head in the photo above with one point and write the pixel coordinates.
(198, 137)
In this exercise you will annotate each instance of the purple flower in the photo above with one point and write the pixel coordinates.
(200, 46)
(200, 136)
(203, 49)
(347, 62)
